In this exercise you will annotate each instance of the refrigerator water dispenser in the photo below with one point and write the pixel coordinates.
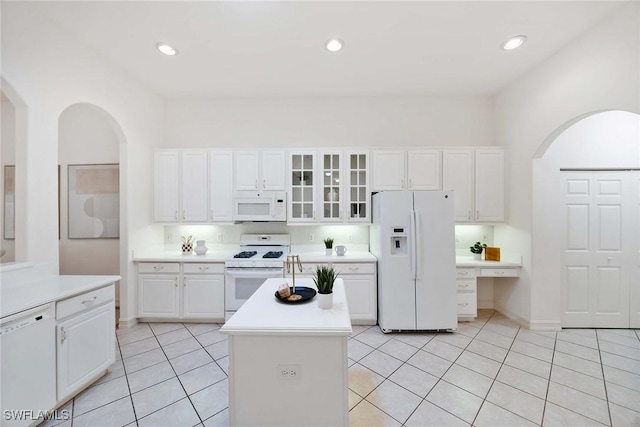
(398, 241)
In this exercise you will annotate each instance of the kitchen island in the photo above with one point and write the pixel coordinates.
(288, 362)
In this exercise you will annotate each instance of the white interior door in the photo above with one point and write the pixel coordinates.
(599, 243)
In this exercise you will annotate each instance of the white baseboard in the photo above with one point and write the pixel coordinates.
(545, 325)
(127, 323)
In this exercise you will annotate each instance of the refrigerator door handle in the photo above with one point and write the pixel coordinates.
(412, 248)
(418, 238)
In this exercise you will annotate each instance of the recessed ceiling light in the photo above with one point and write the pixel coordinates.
(334, 45)
(514, 42)
(166, 49)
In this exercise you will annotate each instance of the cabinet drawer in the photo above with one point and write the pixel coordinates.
(203, 268)
(363, 268)
(466, 285)
(465, 273)
(158, 267)
(499, 272)
(467, 304)
(84, 301)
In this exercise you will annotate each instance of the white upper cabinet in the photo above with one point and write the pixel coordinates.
(388, 170)
(180, 186)
(358, 191)
(331, 195)
(489, 177)
(424, 170)
(302, 184)
(457, 175)
(166, 186)
(194, 185)
(407, 170)
(259, 170)
(476, 177)
(221, 186)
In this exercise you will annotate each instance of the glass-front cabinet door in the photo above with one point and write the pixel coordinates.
(331, 188)
(357, 193)
(302, 202)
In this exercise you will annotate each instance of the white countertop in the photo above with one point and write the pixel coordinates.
(17, 297)
(470, 262)
(320, 256)
(173, 253)
(262, 314)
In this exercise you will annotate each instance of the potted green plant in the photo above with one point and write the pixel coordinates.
(476, 249)
(328, 244)
(324, 277)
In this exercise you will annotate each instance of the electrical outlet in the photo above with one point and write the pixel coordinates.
(219, 237)
(169, 237)
(288, 372)
(350, 238)
(484, 238)
(311, 237)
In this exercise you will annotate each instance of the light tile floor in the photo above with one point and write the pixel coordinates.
(489, 373)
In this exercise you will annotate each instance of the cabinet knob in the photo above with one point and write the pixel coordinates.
(158, 267)
(203, 268)
(499, 272)
(354, 268)
(477, 215)
(410, 184)
(463, 286)
(63, 333)
(264, 184)
(176, 215)
(402, 183)
(256, 184)
(469, 215)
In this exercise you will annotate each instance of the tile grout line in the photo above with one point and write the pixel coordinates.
(604, 380)
(546, 395)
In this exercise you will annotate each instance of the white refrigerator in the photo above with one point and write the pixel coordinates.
(413, 236)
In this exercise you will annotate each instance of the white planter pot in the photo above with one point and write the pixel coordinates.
(477, 257)
(325, 301)
(200, 248)
(329, 251)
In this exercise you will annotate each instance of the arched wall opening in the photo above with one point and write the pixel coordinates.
(92, 218)
(598, 140)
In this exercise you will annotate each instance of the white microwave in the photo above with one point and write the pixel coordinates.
(260, 206)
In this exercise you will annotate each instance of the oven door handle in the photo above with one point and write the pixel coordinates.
(243, 273)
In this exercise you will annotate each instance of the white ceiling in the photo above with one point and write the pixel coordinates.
(270, 48)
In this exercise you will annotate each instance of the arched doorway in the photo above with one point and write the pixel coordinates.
(89, 142)
(601, 141)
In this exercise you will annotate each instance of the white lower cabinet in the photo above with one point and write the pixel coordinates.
(196, 292)
(360, 287)
(467, 293)
(85, 339)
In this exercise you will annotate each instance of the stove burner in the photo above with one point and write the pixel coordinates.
(272, 254)
(245, 254)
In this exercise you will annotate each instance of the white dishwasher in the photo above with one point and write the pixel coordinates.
(28, 365)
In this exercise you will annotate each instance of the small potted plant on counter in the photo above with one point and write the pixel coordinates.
(476, 250)
(328, 244)
(324, 278)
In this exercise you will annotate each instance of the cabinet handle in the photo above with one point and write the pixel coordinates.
(463, 273)
(90, 301)
(477, 215)
(256, 184)
(410, 184)
(176, 215)
(158, 267)
(64, 334)
(184, 214)
(464, 305)
(184, 282)
(499, 272)
(463, 286)
(264, 184)
(469, 215)
(212, 215)
(354, 268)
(175, 282)
(203, 268)
(402, 183)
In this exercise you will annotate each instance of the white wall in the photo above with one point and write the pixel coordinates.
(51, 70)
(330, 122)
(598, 71)
(7, 156)
(85, 137)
